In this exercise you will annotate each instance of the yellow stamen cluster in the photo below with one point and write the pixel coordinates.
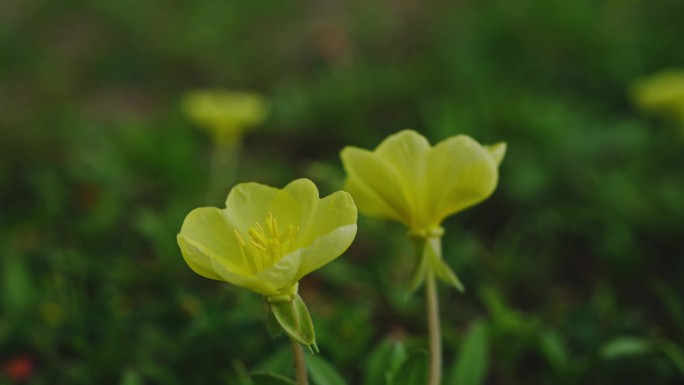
(265, 248)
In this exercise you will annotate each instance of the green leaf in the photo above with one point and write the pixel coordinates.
(554, 349)
(414, 371)
(131, 377)
(384, 362)
(295, 319)
(322, 373)
(266, 378)
(241, 372)
(625, 347)
(675, 354)
(17, 287)
(471, 364)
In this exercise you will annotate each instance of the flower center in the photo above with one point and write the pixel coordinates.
(265, 247)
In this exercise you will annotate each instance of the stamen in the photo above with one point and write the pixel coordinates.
(263, 250)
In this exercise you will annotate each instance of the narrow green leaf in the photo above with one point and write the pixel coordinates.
(278, 361)
(384, 361)
(625, 347)
(471, 364)
(322, 372)
(554, 349)
(242, 374)
(266, 378)
(675, 354)
(414, 371)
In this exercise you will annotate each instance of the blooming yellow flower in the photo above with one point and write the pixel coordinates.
(267, 239)
(661, 93)
(226, 114)
(407, 180)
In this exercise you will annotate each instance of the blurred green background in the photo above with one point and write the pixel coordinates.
(574, 265)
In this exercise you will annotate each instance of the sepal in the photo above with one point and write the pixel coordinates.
(431, 262)
(294, 318)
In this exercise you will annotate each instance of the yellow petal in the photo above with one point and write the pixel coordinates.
(282, 274)
(305, 195)
(497, 151)
(249, 203)
(331, 231)
(207, 263)
(210, 228)
(408, 152)
(461, 173)
(329, 218)
(376, 186)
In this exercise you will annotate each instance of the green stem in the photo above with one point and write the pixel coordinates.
(299, 363)
(435, 334)
(223, 167)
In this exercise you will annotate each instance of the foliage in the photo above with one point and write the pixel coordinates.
(573, 265)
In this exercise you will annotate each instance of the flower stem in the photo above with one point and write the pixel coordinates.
(223, 167)
(299, 364)
(434, 331)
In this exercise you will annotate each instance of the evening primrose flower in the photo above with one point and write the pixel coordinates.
(407, 180)
(225, 114)
(267, 239)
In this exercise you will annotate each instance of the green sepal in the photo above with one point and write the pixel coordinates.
(444, 273)
(433, 252)
(419, 274)
(273, 326)
(294, 318)
(431, 261)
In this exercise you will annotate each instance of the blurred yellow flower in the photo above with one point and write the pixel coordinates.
(661, 93)
(224, 113)
(267, 239)
(407, 180)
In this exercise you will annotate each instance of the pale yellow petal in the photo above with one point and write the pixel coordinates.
(206, 263)
(325, 249)
(198, 261)
(334, 211)
(376, 186)
(407, 151)
(210, 229)
(249, 203)
(282, 274)
(305, 194)
(497, 151)
(462, 173)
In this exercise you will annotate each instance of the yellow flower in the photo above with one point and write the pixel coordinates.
(267, 239)
(407, 180)
(226, 114)
(661, 93)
